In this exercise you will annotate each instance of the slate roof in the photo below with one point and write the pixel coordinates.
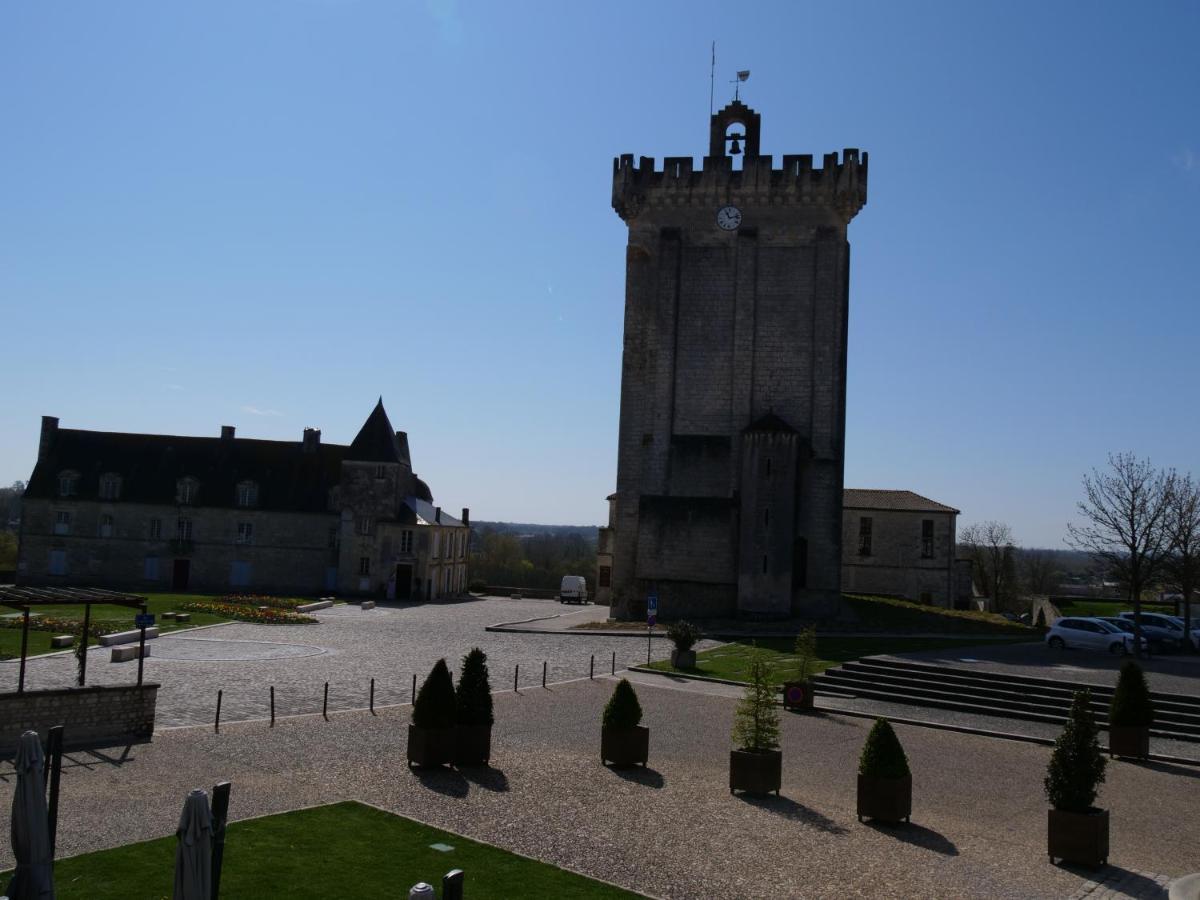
(425, 511)
(901, 501)
(376, 441)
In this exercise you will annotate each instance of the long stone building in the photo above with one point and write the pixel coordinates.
(733, 382)
(155, 512)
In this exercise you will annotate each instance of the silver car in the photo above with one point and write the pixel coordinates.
(1160, 629)
(1087, 633)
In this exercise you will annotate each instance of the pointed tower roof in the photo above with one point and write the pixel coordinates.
(376, 441)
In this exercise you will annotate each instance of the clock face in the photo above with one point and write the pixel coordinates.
(729, 217)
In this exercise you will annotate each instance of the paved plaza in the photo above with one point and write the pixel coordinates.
(671, 830)
(348, 648)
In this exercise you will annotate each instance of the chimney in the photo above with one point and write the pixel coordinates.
(227, 432)
(437, 514)
(312, 439)
(49, 430)
(466, 517)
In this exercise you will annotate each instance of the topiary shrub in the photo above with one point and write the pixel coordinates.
(477, 586)
(435, 704)
(756, 721)
(473, 696)
(806, 652)
(623, 709)
(1076, 768)
(1131, 704)
(882, 754)
(683, 635)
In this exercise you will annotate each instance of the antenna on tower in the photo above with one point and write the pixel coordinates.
(712, 74)
(742, 75)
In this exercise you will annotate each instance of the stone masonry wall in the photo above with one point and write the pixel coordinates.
(895, 565)
(92, 715)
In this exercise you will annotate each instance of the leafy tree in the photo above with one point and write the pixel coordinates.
(882, 754)
(756, 721)
(1076, 768)
(435, 704)
(623, 709)
(1131, 704)
(8, 550)
(1124, 514)
(473, 697)
(10, 503)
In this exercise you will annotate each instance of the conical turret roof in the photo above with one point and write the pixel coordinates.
(376, 440)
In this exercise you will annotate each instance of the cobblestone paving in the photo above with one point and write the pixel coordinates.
(1121, 884)
(348, 648)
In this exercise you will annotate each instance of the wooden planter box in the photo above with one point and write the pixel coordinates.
(625, 746)
(683, 659)
(1080, 838)
(755, 771)
(430, 746)
(1129, 740)
(472, 745)
(798, 695)
(885, 799)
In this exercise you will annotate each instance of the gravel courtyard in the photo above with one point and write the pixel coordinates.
(348, 648)
(671, 830)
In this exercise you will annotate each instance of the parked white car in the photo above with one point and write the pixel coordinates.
(1088, 634)
(573, 589)
(1160, 629)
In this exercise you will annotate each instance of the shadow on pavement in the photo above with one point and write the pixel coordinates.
(790, 809)
(917, 835)
(447, 782)
(639, 775)
(486, 777)
(1168, 768)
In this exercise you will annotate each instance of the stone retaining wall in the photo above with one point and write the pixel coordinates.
(92, 715)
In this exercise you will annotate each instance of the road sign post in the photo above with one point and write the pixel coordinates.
(651, 619)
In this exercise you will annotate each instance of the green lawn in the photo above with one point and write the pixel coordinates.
(122, 616)
(341, 850)
(1084, 607)
(887, 614)
(732, 661)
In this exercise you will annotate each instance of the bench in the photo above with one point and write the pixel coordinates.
(126, 652)
(368, 604)
(129, 637)
(62, 640)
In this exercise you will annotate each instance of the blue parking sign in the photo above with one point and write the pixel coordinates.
(143, 620)
(651, 609)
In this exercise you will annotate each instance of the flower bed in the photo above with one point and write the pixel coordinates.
(248, 613)
(63, 625)
(261, 600)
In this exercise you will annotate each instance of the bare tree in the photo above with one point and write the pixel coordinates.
(1038, 571)
(1124, 513)
(986, 544)
(1182, 564)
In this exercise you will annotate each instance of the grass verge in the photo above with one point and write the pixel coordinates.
(732, 661)
(341, 850)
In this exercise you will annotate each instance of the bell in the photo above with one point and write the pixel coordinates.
(734, 149)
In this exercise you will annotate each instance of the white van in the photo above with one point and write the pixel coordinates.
(573, 589)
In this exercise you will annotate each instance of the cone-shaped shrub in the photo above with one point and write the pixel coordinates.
(473, 700)
(882, 755)
(434, 706)
(683, 635)
(1076, 768)
(623, 709)
(806, 652)
(1131, 701)
(756, 722)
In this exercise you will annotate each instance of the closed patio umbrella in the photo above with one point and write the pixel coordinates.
(193, 854)
(33, 878)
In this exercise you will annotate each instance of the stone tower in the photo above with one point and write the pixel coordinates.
(733, 383)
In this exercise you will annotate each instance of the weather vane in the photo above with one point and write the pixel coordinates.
(742, 75)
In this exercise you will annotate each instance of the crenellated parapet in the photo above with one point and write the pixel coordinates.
(840, 184)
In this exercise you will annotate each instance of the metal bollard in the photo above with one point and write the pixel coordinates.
(543, 673)
(592, 667)
(516, 672)
(272, 706)
(325, 703)
(217, 723)
(372, 696)
(414, 688)
(421, 891)
(614, 663)
(452, 885)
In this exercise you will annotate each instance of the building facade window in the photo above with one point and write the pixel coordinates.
(68, 483)
(150, 568)
(434, 551)
(245, 533)
(62, 522)
(381, 471)
(183, 530)
(406, 542)
(186, 490)
(58, 562)
(335, 537)
(247, 494)
(239, 574)
(155, 529)
(927, 538)
(106, 526)
(110, 487)
(764, 564)
(605, 578)
(365, 526)
(865, 525)
(364, 565)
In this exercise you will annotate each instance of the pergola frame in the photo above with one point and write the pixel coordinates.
(26, 599)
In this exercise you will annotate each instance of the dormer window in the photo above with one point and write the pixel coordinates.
(110, 486)
(186, 490)
(68, 483)
(247, 494)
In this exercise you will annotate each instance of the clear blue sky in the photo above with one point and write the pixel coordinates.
(266, 214)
